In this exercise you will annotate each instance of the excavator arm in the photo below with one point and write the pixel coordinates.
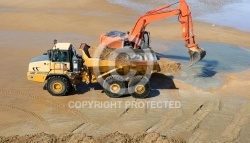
(185, 18)
(149, 17)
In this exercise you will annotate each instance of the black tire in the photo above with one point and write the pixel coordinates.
(114, 81)
(58, 85)
(136, 83)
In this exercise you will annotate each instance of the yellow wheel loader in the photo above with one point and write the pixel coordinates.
(61, 69)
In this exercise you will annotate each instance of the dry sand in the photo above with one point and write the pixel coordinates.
(79, 137)
(219, 115)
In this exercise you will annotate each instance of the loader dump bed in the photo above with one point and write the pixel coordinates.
(107, 65)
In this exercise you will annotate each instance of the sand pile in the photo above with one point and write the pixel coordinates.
(75, 138)
(105, 53)
(169, 66)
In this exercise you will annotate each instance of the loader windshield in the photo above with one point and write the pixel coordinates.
(59, 55)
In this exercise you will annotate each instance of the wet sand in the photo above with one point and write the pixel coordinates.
(217, 115)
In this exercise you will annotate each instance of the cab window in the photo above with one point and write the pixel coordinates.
(59, 56)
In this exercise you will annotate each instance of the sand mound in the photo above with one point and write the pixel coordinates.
(169, 66)
(75, 138)
(105, 53)
(48, 138)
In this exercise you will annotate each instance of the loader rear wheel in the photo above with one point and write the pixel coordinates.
(139, 87)
(58, 86)
(114, 86)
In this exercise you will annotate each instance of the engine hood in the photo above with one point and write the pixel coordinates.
(40, 58)
(40, 64)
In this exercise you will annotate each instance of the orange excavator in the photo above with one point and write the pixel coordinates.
(139, 38)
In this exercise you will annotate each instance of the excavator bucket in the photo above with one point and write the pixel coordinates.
(196, 55)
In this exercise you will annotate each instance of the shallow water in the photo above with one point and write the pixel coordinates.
(209, 72)
(232, 13)
(235, 15)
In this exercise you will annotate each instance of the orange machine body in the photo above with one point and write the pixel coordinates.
(116, 39)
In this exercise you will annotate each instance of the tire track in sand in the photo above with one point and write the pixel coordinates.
(198, 135)
(85, 128)
(189, 125)
(27, 95)
(232, 131)
(36, 116)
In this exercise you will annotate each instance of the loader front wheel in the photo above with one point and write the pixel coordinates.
(114, 86)
(139, 87)
(58, 86)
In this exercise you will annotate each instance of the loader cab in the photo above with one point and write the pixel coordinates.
(62, 54)
(57, 54)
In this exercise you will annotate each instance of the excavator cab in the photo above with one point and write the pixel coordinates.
(113, 39)
(145, 42)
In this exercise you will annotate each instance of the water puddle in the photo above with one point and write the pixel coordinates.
(233, 15)
(209, 73)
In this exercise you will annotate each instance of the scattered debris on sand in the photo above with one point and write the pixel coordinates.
(80, 137)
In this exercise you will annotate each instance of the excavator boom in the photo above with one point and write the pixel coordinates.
(136, 36)
(185, 18)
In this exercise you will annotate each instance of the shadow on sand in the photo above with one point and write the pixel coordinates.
(157, 81)
(160, 81)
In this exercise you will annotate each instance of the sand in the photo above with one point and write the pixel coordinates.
(169, 66)
(75, 138)
(217, 115)
(105, 53)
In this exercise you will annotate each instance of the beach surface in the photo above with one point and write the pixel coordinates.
(27, 30)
